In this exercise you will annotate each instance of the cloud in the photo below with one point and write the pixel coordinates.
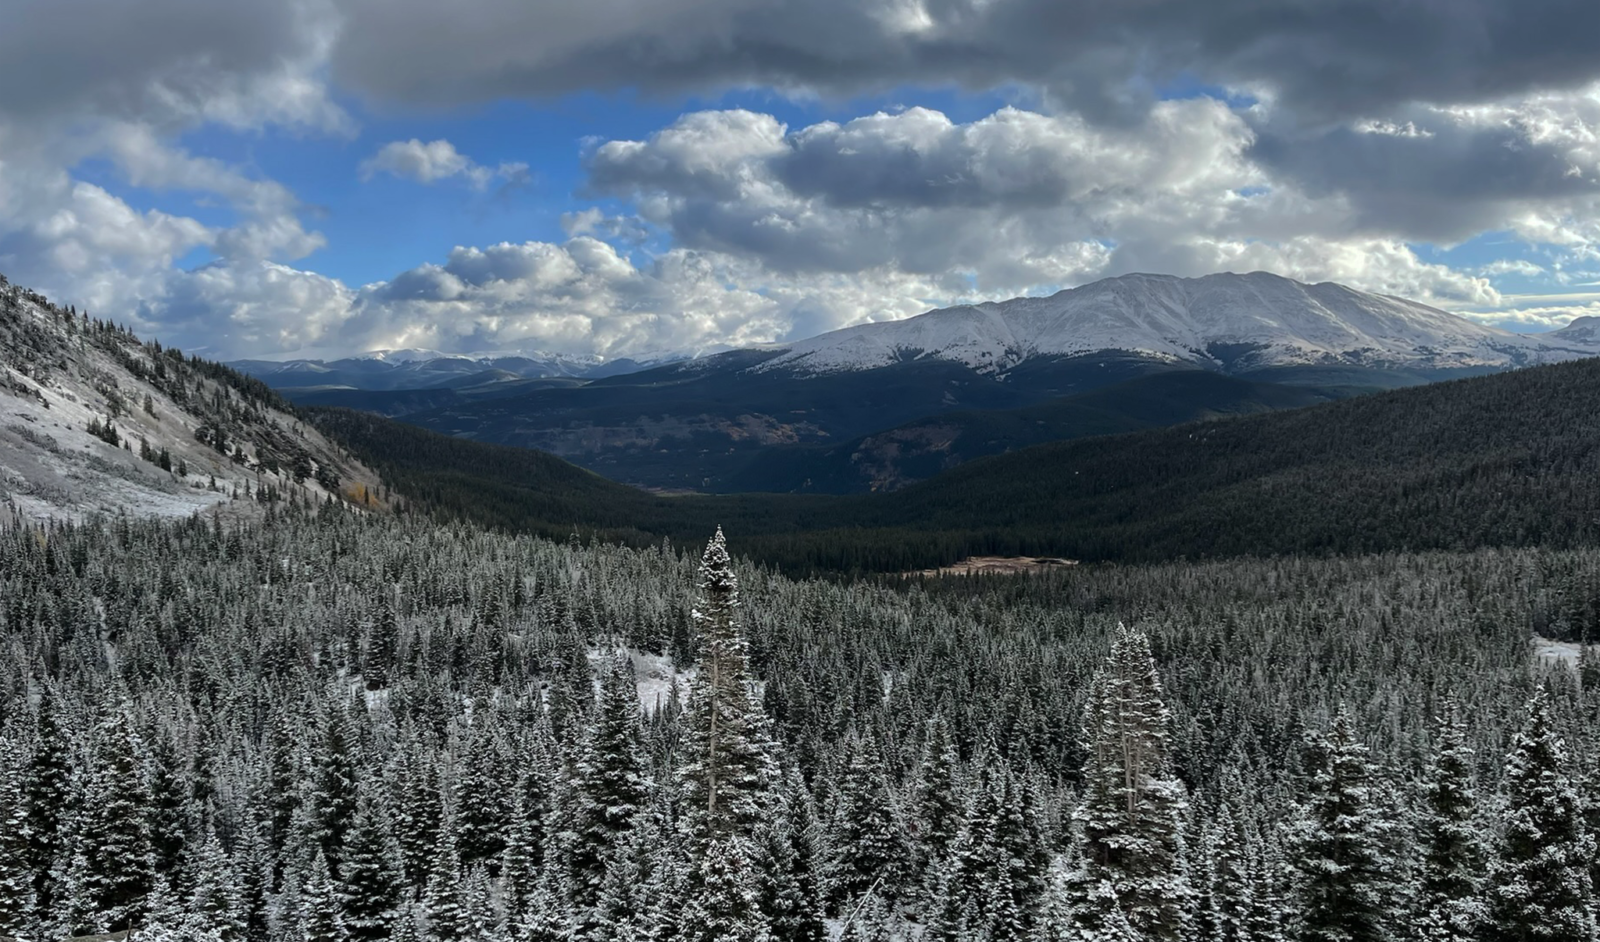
(434, 161)
(1330, 58)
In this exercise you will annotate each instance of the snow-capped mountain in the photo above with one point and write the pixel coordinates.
(430, 369)
(1232, 322)
(94, 421)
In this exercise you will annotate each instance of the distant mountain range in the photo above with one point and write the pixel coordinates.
(429, 369)
(881, 405)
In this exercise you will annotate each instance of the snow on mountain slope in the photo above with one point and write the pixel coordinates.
(185, 436)
(1232, 322)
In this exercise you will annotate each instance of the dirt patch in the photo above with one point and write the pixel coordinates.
(998, 566)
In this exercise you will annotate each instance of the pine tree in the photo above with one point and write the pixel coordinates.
(48, 788)
(728, 771)
(725, 905)
(610, 782)
(382, 651)
(332, 800)
(1539, 884)
(1129, 817)
(1450, 905)
(482, 806)
(119, 858)
(371, 880)
(321, 917)
(443, 904)
(1339, 844)
(16, 869)
(869, 852)
(787, 861)
(938, 803)
(519, 864)
(214, 901)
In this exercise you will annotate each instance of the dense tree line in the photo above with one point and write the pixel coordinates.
(338, 727)
(1503, 460)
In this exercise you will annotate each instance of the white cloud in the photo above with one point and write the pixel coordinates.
(434, 161)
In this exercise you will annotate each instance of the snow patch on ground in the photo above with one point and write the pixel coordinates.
(654, 674)
(1552, 653)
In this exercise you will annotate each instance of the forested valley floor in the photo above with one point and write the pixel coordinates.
(336, 726)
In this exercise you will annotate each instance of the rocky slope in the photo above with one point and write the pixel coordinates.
(94, 421)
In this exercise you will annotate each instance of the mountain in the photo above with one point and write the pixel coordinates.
(1493, 461)
(428, 369)
(94, 421)
(1237, 324)
(835, 412)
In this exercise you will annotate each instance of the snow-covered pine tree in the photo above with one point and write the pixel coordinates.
(728, 770)
(1130, 812)
(371, 877)
(321, 915)
(115, 839)
(47, 786)
(383, 650)
(443, 903)
(937, 799)
(16, 864)
(332, 797)
(790, 894)
(1339, 844)
(610, 785)
(1539, 887)
(519, 863)
(418, 815)
(482, 806)
(869, 850)
(214, 899)
(1450, 906)
(724, 902)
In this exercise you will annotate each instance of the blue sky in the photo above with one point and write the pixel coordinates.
(320, 177)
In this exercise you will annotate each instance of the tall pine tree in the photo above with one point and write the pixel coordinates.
(1129, 819)
(1540, 888)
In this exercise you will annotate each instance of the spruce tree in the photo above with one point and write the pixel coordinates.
(443, 904)
(321, 916)
(16, 865)
(115, 841)
(48, 793)
(1339, 844)
(728, 770)
(937, 796)
(1449, 900)
(1129, 816)
(371, 878)
(482, 806)
(1539, 886)
(868, 845)
(610, 781)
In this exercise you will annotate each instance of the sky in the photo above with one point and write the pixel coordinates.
(316, 178)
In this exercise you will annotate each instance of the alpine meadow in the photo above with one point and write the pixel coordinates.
(800, 471)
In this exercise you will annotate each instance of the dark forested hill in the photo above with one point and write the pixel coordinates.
(1510, 459)
(916, 451)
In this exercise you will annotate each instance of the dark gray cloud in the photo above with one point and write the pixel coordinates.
(1329, 57)
(136, 60)
(1438, 180)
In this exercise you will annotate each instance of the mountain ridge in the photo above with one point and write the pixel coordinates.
(1231, 322)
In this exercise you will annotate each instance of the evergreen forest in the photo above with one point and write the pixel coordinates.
(331, 725)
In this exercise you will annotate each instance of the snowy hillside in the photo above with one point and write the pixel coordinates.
(1231, 322)
(92, 420)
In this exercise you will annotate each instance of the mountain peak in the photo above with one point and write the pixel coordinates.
(1228, 321)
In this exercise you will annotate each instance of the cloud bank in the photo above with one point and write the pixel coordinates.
(1337, 140)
